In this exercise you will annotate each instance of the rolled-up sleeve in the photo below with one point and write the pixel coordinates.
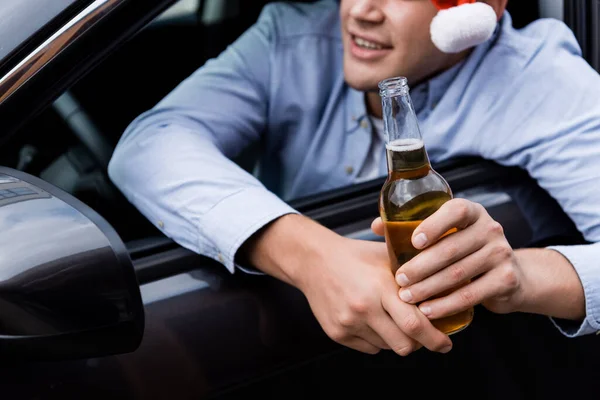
(174, 161)
(586, 261)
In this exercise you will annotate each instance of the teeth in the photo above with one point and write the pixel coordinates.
(366, 44)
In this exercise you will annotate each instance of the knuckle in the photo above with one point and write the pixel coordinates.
(495, 228)
(412, 325)
(480, 208)
(359, 306)
(461, 209)
(467, 297)
(449, 252)
(502, 252)
(457, 273)
(337, 334)
(404, 349)
(509, 277)
(348, 320)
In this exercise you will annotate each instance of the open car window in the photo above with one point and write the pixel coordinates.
(63, 144)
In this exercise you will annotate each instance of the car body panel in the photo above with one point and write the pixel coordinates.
(210, 333)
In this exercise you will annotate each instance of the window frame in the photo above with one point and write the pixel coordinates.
(51, 20)
(70, 55)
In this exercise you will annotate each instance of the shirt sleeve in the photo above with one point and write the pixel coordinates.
(566, 162)
(174, 161)
(585, 260)
(554, 133)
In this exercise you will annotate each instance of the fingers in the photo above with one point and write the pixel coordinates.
(454, 214)
(499, 282)
(377, 227)
(448, 278)
(440, 255)
(373, 337)
(361, 338)
(396, 340)
(415, 325)
(361, 345)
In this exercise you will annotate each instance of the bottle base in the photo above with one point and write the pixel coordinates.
(455, 323)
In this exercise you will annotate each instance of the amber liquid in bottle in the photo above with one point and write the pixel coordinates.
(412, 192)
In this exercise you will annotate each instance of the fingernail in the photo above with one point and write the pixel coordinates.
(402, 280)
(406, 295)
(446, 349)
(424, 309)
(420, 240)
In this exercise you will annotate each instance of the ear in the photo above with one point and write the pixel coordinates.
(499, 6)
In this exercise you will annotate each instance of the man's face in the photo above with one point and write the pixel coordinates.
(387, 38)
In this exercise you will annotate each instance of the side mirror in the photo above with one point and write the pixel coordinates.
(67, 285)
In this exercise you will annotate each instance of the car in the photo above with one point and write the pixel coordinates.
(132, 314)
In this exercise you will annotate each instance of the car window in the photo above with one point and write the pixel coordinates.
(20, 19)
(130, 81)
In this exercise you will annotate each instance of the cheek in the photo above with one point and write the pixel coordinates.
(411, 23)
(345, 6)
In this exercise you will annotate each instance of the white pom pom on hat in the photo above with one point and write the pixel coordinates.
(461, 24)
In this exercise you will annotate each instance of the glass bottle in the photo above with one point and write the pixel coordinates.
(413, 189)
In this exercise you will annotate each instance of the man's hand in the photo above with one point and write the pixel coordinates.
(478, 251)
(537, 281)
(349, 285)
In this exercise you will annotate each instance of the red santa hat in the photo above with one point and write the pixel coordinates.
(461, 24)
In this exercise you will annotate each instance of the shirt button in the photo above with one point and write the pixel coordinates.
(349, 169)
(364, 124)
(221, 259)
(161, 224)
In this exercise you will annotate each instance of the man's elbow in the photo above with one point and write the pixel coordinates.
(117, 168)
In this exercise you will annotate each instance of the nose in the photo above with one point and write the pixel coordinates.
(367, 11)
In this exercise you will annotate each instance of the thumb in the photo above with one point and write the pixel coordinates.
(377, 226)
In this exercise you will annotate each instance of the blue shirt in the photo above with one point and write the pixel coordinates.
(524, 98)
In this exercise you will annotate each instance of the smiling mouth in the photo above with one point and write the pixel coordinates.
(365, 44)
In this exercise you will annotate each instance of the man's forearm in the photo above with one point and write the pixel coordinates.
(552, 286)
(286, 247)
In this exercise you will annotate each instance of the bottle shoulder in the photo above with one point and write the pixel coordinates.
(409, 181)
(414, 198)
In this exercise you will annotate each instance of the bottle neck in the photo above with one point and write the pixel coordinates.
(406, 154)
(407, 158)
(400, 122)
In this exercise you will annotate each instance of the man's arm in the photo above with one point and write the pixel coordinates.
(551, 285)
(548, 123)
(174, 161)
(540, 281)
(348, 284)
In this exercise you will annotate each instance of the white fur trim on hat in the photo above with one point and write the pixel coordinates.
(459, 28)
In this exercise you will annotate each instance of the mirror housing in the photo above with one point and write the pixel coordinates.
(67, 285)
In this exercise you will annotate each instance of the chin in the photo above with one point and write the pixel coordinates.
(364, 78)
(362, 83)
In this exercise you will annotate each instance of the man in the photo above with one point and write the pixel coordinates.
(303, 81)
